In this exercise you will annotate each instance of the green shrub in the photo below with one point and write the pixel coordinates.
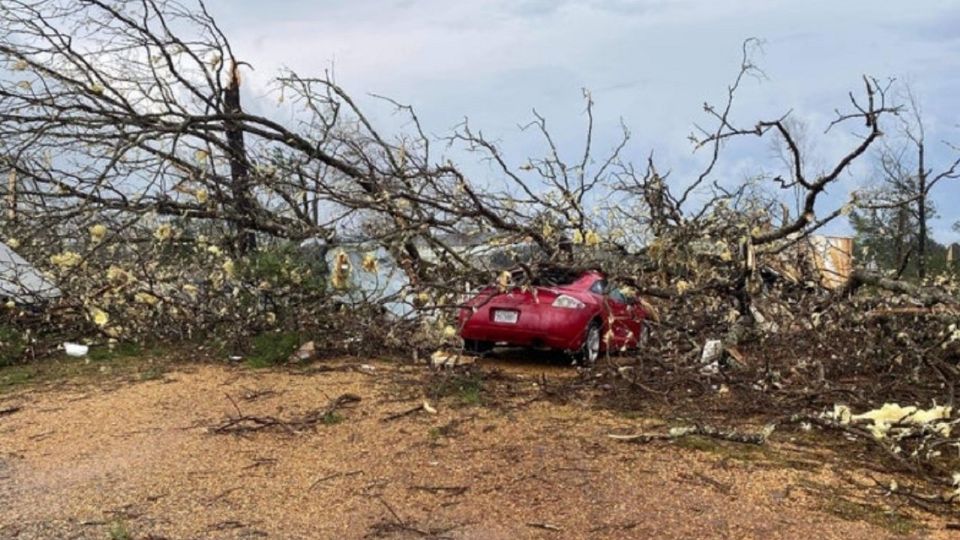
(117, 351)
(15, 376)
(13, 343)
(467, 388)
(332, 419)
(152, 373)
(285, 267)
(119, 531)
(272, 348)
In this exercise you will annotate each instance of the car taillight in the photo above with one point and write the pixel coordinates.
(569, 302)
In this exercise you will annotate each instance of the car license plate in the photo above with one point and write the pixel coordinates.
(509, 317)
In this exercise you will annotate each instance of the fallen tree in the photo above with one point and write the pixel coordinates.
(139, 178)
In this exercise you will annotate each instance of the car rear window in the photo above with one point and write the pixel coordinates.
(548, 277)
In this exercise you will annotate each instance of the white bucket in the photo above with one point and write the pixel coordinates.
(75, 349)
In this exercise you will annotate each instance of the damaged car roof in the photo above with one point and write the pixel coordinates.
(21, 281)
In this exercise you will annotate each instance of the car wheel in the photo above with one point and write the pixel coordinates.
(477, 347)
(590, 350)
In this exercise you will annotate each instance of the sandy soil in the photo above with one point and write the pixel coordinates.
(137, 460)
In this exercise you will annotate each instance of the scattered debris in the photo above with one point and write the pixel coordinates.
(893, 417)
(895, 414)
(762, 322)
(306, 352)
(948, 312)
(446, 359)
(712, 351)
(833, 258)
(651, 310)
(736, 358)
(711, 356)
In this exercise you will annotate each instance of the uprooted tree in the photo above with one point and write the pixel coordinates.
(162, 207)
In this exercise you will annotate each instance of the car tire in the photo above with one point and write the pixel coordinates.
(477, 347)
(589, 352)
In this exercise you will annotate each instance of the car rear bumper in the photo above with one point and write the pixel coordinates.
(536, 326)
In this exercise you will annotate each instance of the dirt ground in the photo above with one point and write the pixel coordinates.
(136, 459)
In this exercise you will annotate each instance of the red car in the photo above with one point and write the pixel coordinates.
(577, 313)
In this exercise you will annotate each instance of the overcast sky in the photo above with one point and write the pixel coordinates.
(652, 62)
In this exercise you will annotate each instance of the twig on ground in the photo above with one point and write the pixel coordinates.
(545, 526)
(242, 423)
(399, 522)
(322, 479)
(253, 395)
(716, 484)
(10, 410)
(451, 490)
(421, 407)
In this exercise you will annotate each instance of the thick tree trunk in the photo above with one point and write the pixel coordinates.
(12, 195)
(898, 251)
(246, 240)
(921, 214)
(927, 296)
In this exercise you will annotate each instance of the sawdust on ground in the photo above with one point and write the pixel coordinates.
(138, 458)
